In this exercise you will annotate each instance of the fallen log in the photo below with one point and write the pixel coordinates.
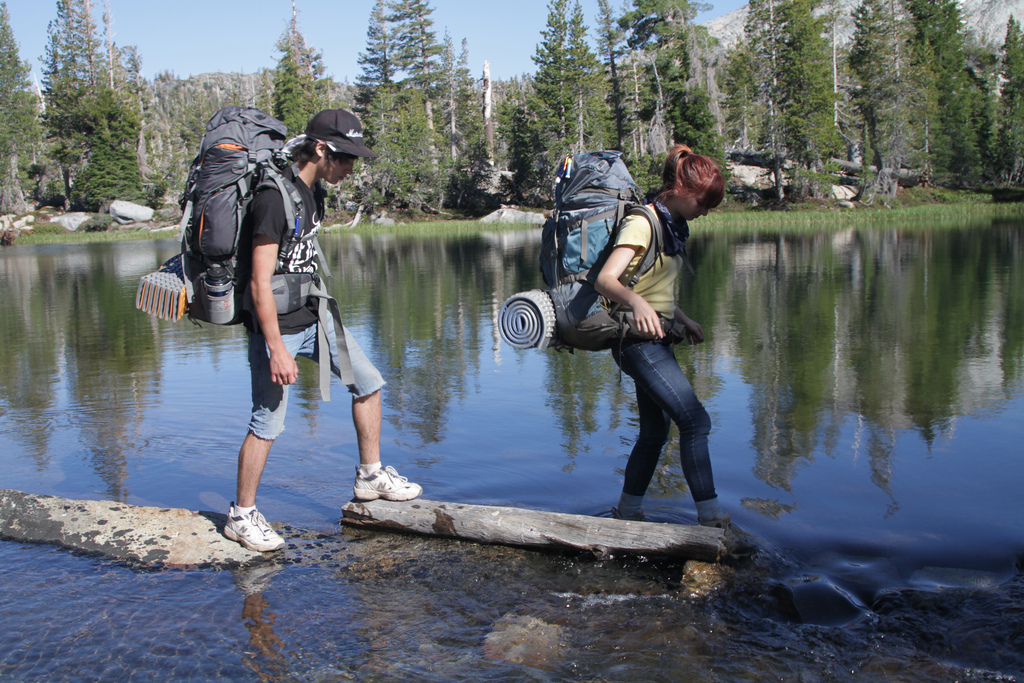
(536, 528)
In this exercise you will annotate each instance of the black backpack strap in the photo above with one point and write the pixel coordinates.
(289, 194)
(293, 211)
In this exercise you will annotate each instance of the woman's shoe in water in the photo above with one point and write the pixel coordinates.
(385, 483)
(737, 545)
(637, 516)
(252, 531)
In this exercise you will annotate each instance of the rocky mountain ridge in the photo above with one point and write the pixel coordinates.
(985, 21)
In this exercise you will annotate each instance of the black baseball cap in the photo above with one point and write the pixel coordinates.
(341, 130)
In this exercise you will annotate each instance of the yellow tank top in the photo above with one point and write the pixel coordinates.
(658, 285)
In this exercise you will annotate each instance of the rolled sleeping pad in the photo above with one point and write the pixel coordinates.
(527, 320)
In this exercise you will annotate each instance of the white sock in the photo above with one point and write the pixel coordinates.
(367, 471)
(241, 511)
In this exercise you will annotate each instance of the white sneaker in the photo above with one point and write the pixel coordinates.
(385, 483)
(252, 531)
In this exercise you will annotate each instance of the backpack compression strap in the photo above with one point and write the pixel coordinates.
(327, 305)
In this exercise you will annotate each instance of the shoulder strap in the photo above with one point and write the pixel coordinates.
(293, 211)
(656, 245)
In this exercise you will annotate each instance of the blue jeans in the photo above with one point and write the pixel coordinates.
(270, 400)
(664, 395)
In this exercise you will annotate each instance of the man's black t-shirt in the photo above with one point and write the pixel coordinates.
(267, 217)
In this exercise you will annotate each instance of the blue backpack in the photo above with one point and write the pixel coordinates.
(594, 192)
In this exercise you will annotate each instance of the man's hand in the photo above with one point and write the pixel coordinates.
(283, 368)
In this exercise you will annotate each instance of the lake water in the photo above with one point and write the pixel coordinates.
(867, 392)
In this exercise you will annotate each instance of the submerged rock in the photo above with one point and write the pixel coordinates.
(526, 640)
(138, 535)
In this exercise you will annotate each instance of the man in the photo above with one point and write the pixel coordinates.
(325, 153)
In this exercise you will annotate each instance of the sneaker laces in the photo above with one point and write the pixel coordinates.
(395, 477)
(256, 519)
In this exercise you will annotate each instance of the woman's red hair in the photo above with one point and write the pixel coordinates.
(692, 174)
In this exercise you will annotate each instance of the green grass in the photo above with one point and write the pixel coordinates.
(449, 227)
(920, 208)
(53, 233)
(815, 217)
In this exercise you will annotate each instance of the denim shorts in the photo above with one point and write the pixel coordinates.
(270, 400)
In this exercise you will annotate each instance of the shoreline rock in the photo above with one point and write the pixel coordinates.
(156, 537)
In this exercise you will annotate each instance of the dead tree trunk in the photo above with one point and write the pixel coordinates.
(536, 528)
(488, 121)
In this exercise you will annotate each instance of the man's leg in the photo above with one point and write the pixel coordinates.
(252, 458)
(366, 416)
(245, 523)
(269, 404)
(372, 480)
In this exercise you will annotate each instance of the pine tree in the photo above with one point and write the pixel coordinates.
(461, 114)
(70, 77)
(954, 140)
(806, 94)
(611, 40)
(521, 148)
(465, 164)
(377, 62)
(764, 32)
(568, 96)
(416, 53)
(587, 87)
(416, 49)
(676, 104)
(300, 89)
(1011, 132)
(888, 89)
(92, 108)
(398, 120)
(18, 125)
(113, 169)
(742, 118)
(553, 100)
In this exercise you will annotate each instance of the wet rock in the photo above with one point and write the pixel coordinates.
(138, 535)
(129, 212)
(526, 640)
(701, 578)
(822, 603)
(953, 577)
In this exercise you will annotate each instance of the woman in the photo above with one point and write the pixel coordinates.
(691, 185)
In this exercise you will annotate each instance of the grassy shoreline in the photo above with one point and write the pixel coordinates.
(795, 217)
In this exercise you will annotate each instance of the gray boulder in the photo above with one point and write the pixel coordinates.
(506, 215)
(72, 221)
(127, 212)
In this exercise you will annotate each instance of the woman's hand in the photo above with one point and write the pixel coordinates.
(692, 330)
(607, 284)
(648, 322)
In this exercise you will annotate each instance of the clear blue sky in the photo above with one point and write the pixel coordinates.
(190, 37)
